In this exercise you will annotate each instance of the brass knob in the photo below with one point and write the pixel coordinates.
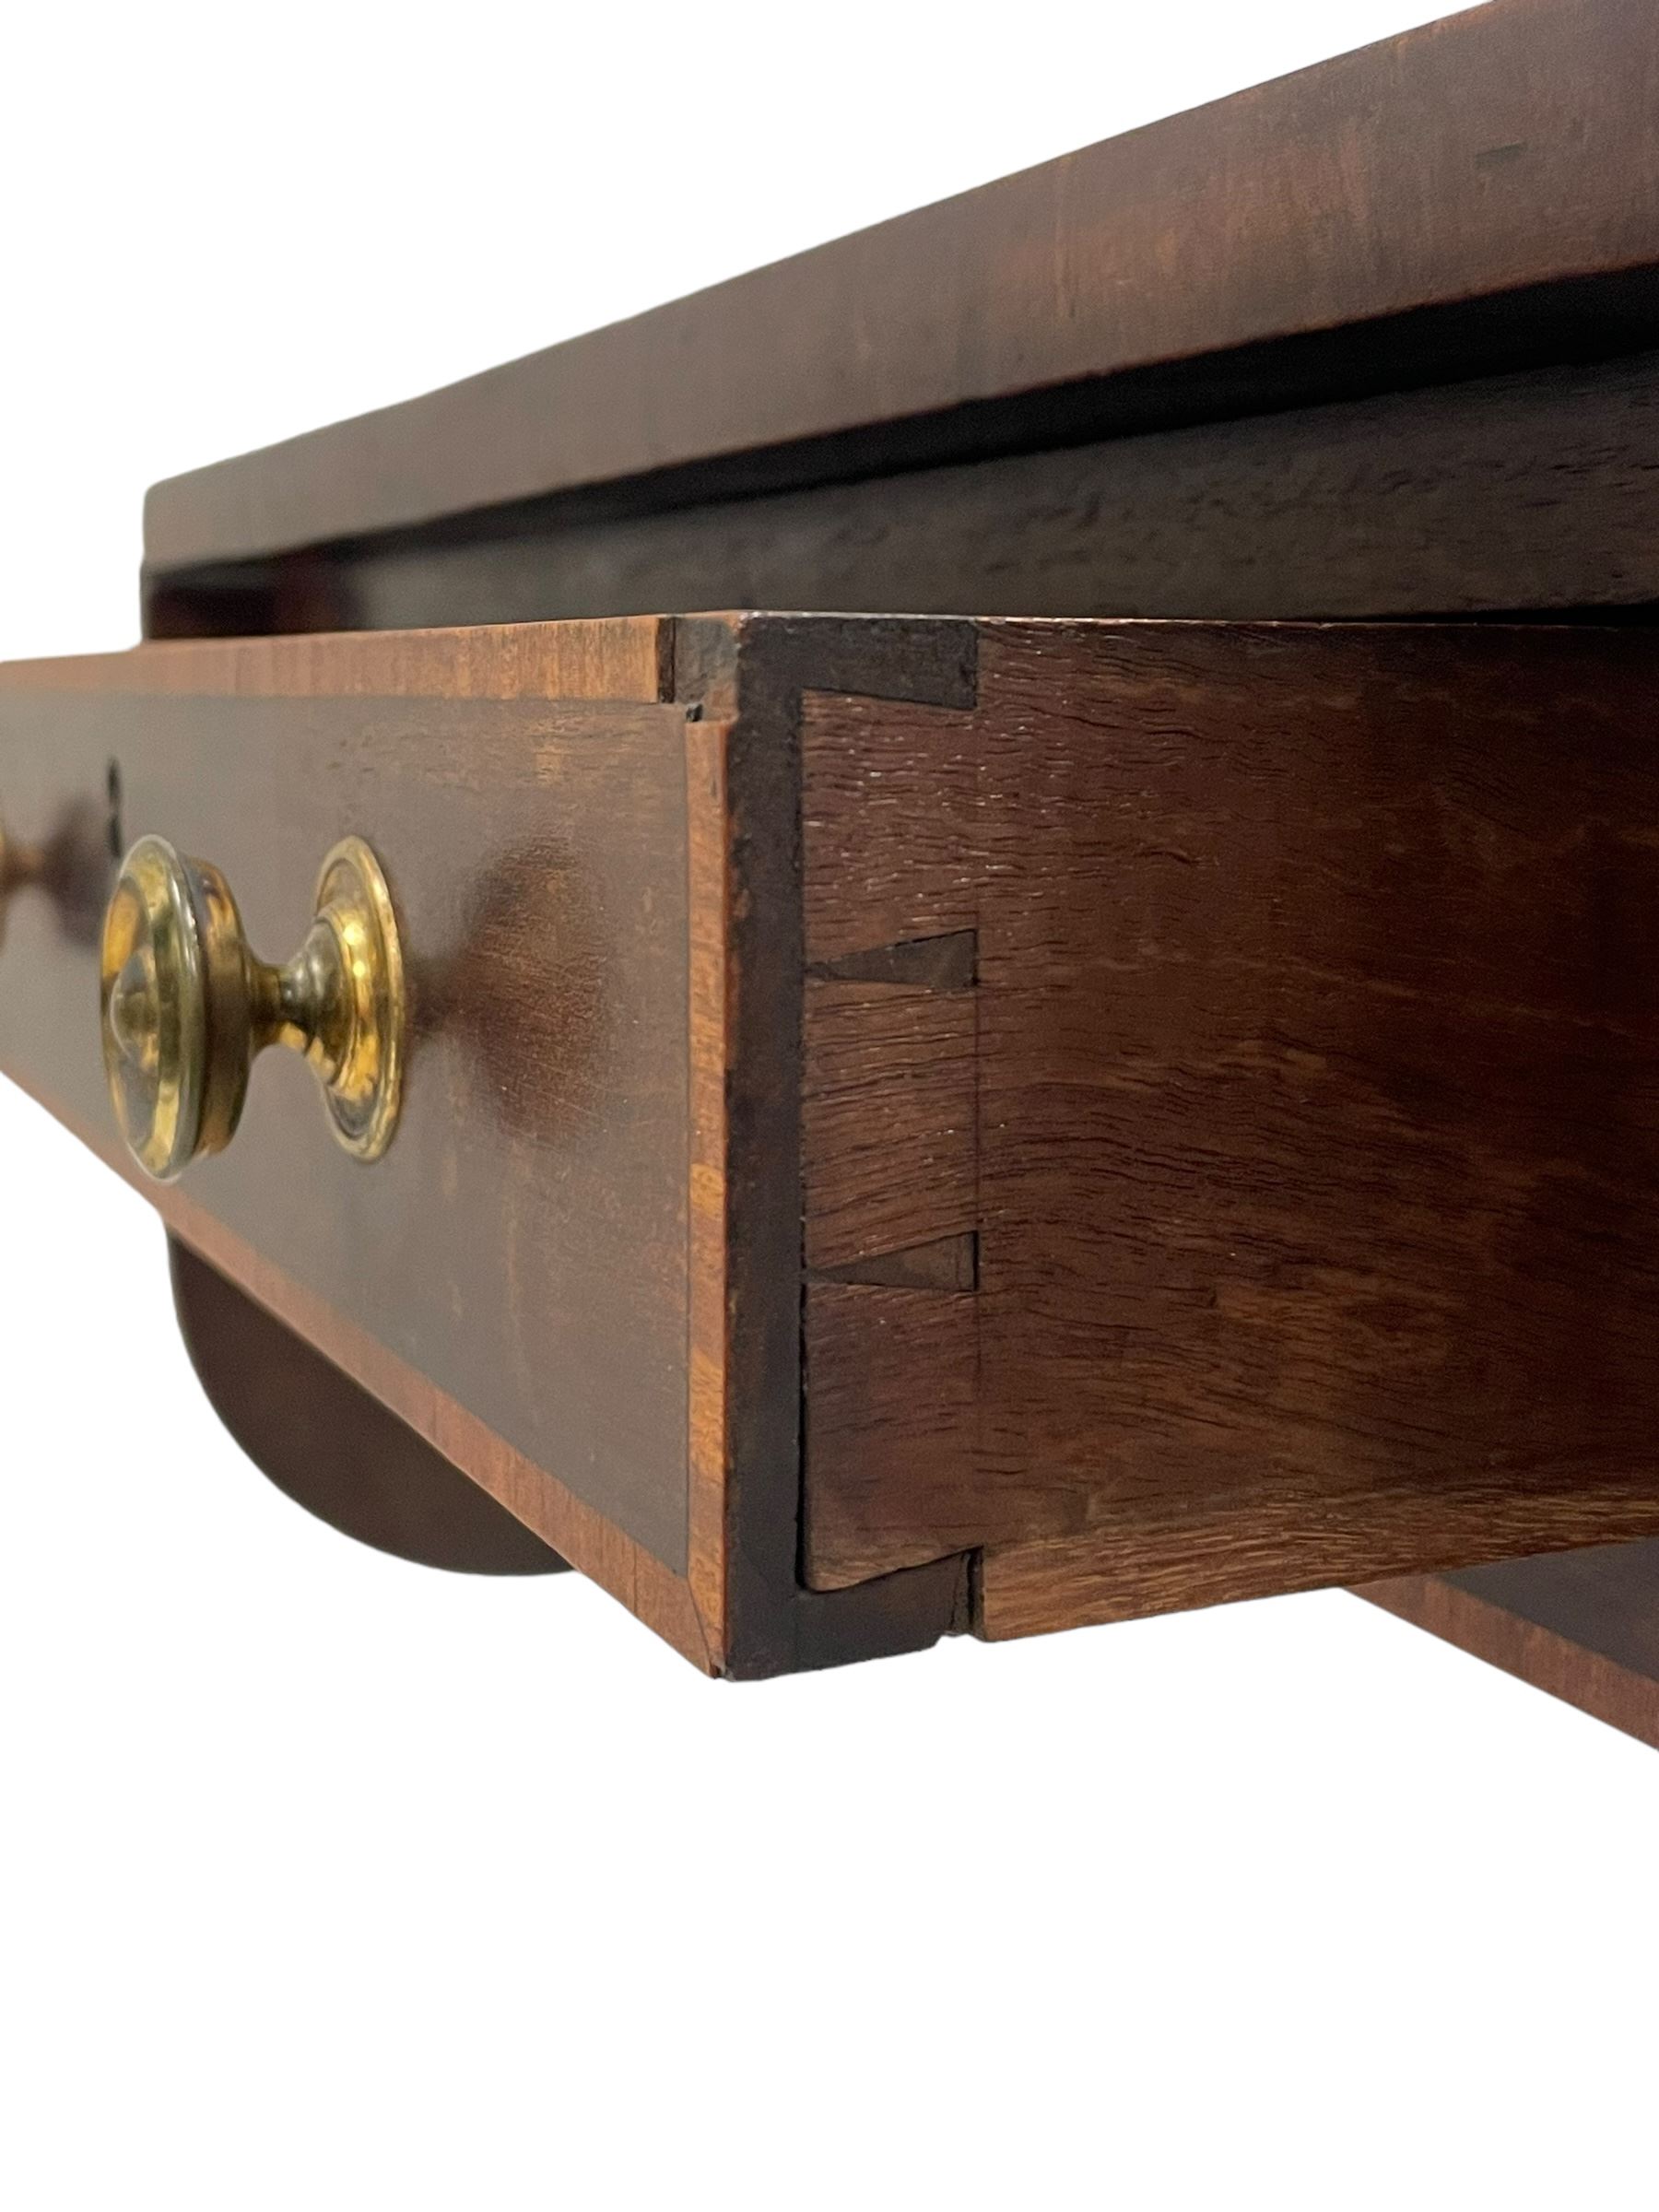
(187, 1007)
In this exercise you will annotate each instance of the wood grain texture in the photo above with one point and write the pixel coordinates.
(1318, 1106)
(709, 1076)
(1583, 1626)
(576, 1275)
(513, 1279)
(888, 1119)
(891, 1420)
(890, 800)
(333, 1449)
(654, 1592)
(628, 660)
(1306, 978)
(1170, 1554)
(950, 1262)
(750, 674)
(1532, 491)
(1505, 156)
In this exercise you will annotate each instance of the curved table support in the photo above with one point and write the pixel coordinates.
(333, 1449)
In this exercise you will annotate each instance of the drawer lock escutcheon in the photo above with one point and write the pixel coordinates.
(187, 1007)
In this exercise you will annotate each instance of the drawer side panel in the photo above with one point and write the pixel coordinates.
(1317, 988)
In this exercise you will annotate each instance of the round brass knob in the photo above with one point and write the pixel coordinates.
(187, 1007)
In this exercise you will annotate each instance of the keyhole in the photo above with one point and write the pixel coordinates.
(112, 786)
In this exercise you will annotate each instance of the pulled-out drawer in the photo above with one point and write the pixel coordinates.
(904, 1126)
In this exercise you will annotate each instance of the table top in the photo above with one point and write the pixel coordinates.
(1481, 193)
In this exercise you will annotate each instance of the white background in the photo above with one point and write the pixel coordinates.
(328, 1882)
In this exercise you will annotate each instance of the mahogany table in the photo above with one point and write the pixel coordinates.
(1112, 1064)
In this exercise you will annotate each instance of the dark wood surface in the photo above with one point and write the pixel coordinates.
(333, 1448)
(1199, 1075)
(576, 1274)
(1583, 1625)
(1309, 275)
(751, 678)
(514, 1277)
(1474, 195)
(1537, 491)
(1314, 1157)
(889, 1118)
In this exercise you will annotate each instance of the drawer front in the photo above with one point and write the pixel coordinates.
(517, 1263)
